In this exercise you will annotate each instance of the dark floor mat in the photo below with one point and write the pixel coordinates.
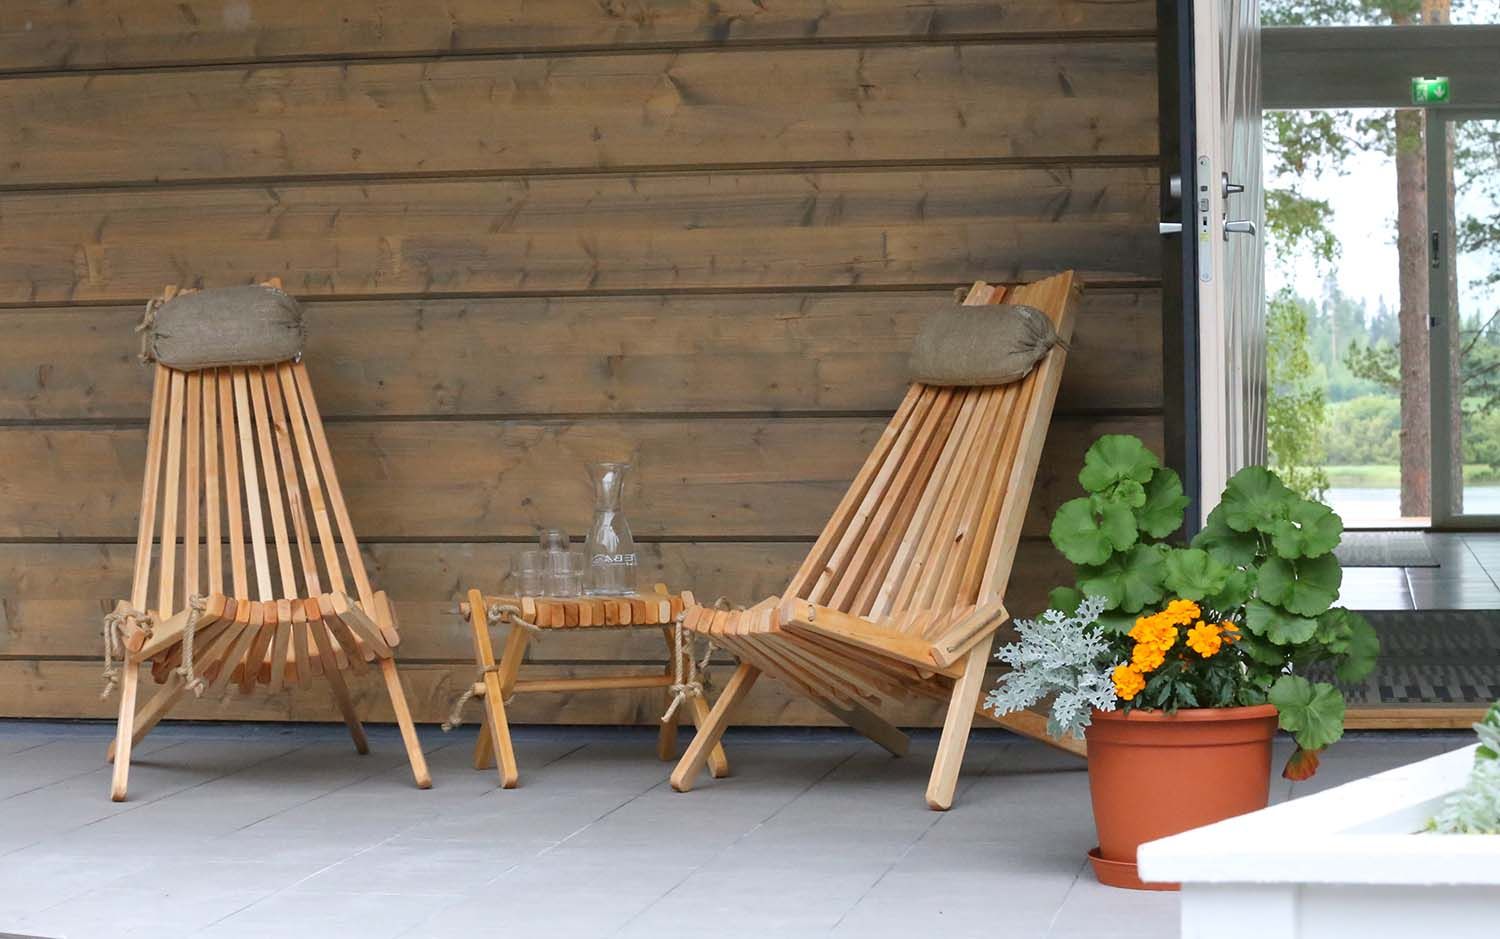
(1384, 549)
(1432, 657)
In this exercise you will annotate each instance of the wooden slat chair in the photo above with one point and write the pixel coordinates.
(902, 592)
(227, 451)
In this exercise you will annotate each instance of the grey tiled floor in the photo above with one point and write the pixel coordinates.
(1467, 578)
(252, 831)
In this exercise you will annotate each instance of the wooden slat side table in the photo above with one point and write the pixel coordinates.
(501, 680)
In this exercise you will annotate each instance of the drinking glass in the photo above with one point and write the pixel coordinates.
(565, 573)
(531, 573)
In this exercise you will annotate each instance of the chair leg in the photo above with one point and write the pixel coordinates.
(403, 720)
(950, 752)
(711, 728)
(124, 730)
(497, 726)
(718, 763)
(168, 695)
(336, 683)
(484, 744)
(870, 724)
(666, 734)
(494, 738)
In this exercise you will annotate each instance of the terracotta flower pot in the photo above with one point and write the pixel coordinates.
(1153, 775)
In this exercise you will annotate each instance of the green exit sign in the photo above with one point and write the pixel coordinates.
(1429, 90)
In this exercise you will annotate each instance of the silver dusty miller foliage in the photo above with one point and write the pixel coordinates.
(1475, 809)
(1062, 655)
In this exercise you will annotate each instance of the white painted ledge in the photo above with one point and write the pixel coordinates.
(1349, 861)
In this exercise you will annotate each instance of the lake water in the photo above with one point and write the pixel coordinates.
(1355, 504)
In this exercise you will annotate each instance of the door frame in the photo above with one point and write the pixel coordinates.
(1442, 324)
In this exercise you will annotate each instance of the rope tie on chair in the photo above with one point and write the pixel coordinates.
(456, 713)
(498, 613)
(494, 614)
(695, 683)
(190, 680)
(114, 643)
(148, 320)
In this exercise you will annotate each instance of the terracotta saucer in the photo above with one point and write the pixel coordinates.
(1121, 874)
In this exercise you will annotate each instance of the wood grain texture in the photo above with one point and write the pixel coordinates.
(581, 355)
(51, 595)
(727, 477)
(569, 234)
(578, 113)
(45, 34)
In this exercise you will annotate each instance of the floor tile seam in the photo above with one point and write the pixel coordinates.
(853, 752)
(965, 787)
(139, 804)
(78, 775)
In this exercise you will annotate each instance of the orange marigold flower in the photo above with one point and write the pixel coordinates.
(1181, 612)
(1205, 639)
(1230, 632)
(1153, 631)
(1128, 682)
(1147, 657)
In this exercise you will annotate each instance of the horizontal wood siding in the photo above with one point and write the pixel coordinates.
(698, 236)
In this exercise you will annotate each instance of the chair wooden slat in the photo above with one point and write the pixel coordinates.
(150, 491)
(212, 499)
(253, 486)
(308, 463)
(192, 492)
(233, 505)
(171, 497)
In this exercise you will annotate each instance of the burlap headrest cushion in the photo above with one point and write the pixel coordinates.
(981, 345)
(249, 325)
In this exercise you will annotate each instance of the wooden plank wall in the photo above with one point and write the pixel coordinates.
(698, 236)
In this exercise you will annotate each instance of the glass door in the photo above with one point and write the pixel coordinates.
(1463, 199)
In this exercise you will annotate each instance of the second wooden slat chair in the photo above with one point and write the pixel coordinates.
(902, 593)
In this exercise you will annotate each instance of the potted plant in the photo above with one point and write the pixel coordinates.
(1179, 662)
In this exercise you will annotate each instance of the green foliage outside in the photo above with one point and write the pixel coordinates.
(1349, 353)
(1263, 561)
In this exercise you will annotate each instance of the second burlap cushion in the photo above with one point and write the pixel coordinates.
(981, 345)
(222, 326)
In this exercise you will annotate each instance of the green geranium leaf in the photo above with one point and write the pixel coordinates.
(1277, 625)
(1312, 713)
(1353, 639)
(1128, 580)
(1064, 598)
(1260, 650)
(1234, 548)
(1127, 493)
(1193, 574)
(1116, 623)
(1307, 587)
(1114, 458)
(1160, 512)
(1086, 538)
(1238, 587)
(1310, 529)
(1255, 500)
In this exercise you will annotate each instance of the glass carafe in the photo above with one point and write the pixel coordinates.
(613, 563)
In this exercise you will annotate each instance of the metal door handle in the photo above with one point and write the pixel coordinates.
(1238, 227)
(1229, 188)
(1169, 228)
